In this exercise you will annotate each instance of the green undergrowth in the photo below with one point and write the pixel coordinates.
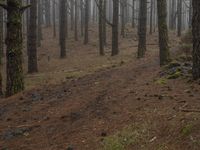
(129, 136)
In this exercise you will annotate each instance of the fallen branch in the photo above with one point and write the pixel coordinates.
(189, 110)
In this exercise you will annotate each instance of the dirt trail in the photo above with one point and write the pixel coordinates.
(84, 111)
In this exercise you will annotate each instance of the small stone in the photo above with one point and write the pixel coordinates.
(70, 148)
(103, 134)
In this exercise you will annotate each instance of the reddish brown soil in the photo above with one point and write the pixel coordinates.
(81, 110)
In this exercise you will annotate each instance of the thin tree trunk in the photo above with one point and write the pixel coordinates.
(32, 39)
(62, 28)
(115, 38)
(142, 28)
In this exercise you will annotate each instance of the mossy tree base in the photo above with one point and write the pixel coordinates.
(14, 42)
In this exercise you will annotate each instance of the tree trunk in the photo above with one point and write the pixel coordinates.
(32, 39)
(163, 32)
(133, 14)
(14, 42)
(47, 13)
(62, 28)
(151, 17)
(115, 47)
(72, 13)
(142, 29)
(87, 7)
(1, 50)
(39, 27)
(101, 43)
(76, 21)
(196, 38)
(54, 18)
(179, 9)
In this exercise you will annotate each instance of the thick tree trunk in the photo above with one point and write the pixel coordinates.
(1, 50)
(142, 28)
(32, 39)
(196, 38)
(14, 42)
(163, 32)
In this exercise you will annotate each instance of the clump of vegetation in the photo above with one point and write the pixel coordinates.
(128, 136)
(161, 81)
(174, 70)
(187, 130)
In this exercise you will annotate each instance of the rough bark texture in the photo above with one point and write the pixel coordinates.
(1, 49)
(115, 48)
(14, 42)
(196, 38)
(163, 32)
(62, 28)
(142, 29)
(179, 10)
(32, 39)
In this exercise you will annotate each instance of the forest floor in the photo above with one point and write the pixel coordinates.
(88, 102)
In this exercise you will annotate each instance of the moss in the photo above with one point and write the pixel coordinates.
(175, 75)
(173, 64)
(186, 130)
(128, 136)
(161, 81)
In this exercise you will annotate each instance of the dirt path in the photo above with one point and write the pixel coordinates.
(83, 111)
(116, 107)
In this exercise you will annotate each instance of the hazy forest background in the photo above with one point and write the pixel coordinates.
(99, 74)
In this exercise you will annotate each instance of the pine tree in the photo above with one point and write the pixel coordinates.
(14, 42)
(142, 28)
(163, 32)
(196, 39)
(32, 39)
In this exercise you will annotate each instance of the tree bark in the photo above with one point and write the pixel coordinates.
(14, 42)
(163, 32)
(62, 28)
(142, 29)
(115, 38)
(32, 39)
(196, 39)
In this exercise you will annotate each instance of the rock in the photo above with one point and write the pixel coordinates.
(103, 134)
(36, 97)
(173, 64)
(160, 97)
(70, 148)
(12, 133)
